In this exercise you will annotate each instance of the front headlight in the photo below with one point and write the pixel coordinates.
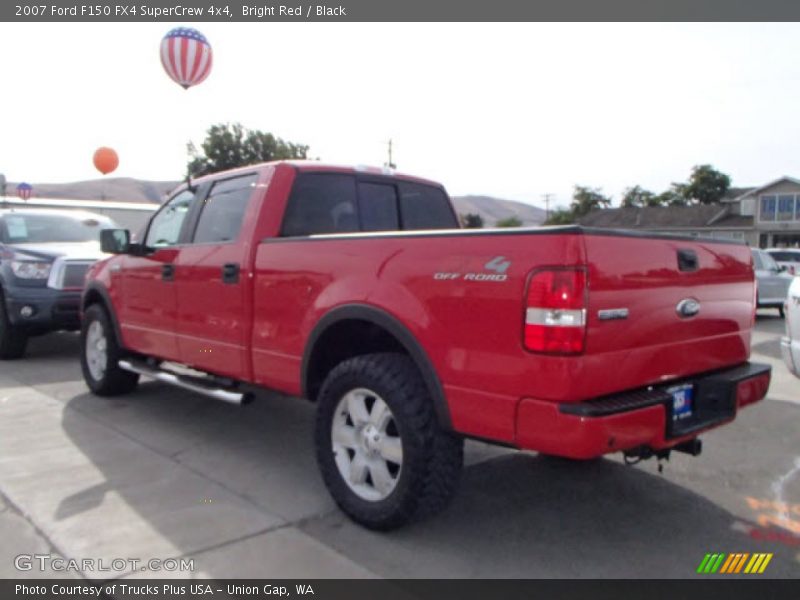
(28, 269)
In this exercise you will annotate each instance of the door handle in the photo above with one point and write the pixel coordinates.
(168, 272)
(230, 273)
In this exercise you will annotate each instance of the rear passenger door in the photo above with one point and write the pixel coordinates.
(212, 279)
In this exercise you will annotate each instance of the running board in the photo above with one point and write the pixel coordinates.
(207, 390)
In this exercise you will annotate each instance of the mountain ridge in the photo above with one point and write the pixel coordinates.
(129, 189)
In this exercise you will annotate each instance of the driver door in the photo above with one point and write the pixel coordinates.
(149, 300)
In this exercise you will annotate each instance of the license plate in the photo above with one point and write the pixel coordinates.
(682, 401)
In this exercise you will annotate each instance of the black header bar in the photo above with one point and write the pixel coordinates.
(194, 11)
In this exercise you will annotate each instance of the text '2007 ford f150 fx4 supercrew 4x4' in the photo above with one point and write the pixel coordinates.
(355, 288)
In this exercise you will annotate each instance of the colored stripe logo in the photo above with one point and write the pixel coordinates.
(741, 562)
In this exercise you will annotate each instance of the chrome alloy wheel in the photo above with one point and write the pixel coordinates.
(96, 350)
(366, 444)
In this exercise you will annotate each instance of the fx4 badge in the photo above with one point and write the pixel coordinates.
(498, 264)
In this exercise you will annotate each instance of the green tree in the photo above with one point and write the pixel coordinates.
(674, 196)
(706, 185)
(638, 196)
(509, 222)
(472, 221)
(560, 216)
(585, 199)
(228, 146)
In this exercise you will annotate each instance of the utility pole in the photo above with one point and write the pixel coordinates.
(390, 164)
(547, 205)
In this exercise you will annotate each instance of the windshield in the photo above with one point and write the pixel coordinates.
(42, 228)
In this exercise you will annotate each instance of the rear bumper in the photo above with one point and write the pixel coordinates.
(642, 418)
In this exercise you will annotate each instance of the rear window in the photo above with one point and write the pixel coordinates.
(785, 255)
(425, 207)
(21, 228)
(378, 203)
(340, 203)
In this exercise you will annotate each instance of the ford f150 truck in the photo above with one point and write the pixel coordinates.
(355, 288)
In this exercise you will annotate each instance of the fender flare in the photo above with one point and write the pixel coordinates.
(386, 321)
(95, 287)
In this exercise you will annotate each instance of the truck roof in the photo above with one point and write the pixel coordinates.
(315, 165)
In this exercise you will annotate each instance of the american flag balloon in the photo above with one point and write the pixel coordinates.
(186, 56)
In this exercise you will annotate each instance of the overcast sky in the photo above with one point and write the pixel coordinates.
(508, 110)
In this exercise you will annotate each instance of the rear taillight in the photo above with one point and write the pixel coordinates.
(555, 315)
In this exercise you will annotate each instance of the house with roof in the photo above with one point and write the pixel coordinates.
(766, 216)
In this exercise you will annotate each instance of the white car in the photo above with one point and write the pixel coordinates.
(772, 281)
(786, 257)
(790, 343)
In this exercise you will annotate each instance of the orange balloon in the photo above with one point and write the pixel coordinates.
(105, 160)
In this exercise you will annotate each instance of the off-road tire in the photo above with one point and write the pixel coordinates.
(431, 457)
(113, 381)
(13, 341)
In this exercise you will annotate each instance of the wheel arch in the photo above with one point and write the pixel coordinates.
(368, 320)
(96, 293)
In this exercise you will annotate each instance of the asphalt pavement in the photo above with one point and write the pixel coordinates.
(213, 490)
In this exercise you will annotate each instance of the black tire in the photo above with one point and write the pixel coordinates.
(431, 457)
(13, 340)
(113, 381)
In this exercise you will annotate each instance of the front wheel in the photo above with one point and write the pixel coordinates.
(100, 353)
(380, 449)
(13, 341)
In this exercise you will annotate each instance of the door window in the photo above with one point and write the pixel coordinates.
(223, 210)
(165, 228)
(321, 203)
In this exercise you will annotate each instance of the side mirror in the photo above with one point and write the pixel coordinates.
(115, 241)
(782, 268)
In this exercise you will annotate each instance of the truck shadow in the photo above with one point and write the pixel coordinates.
(516, 515)
(44, 359)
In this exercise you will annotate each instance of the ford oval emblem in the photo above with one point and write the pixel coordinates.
(688, 307)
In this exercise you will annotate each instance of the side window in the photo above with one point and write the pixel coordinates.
(425, 207)
(758, 264)
(223, 210)
(321, 203)
(165, 228)
(378, 204)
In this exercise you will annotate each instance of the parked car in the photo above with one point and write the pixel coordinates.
(356, 289)
(44, 256)
(772, 281)
(790, 343)
(786, 257)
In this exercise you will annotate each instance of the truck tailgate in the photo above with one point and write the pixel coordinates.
(664, 308)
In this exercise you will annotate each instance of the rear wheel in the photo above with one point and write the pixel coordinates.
(100, 353)
(13, 340)
(380, 449)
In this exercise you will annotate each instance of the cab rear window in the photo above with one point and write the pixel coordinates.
(342, 203)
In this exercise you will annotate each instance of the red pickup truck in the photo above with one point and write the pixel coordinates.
(356, 289)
